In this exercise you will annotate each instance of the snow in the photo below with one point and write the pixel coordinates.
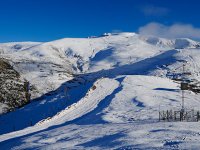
(161, 42)
(184, 43)
(180, 43)
(7, 48)
(47, 65)
(102, 93)
(102, 88)
(125, 118)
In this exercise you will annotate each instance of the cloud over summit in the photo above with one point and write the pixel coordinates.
(173, 31)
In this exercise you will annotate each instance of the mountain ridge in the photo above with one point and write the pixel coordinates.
(97, 89)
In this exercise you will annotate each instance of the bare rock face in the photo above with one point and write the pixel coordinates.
(13, 89)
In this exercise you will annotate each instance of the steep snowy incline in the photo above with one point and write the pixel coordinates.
(125, 118)
(101, 88)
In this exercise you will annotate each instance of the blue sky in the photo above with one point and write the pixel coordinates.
(45, 20)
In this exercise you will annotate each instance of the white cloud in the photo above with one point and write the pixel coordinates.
(173, 31)
(150, 10)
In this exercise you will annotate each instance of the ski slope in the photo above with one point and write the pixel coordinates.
(123, 115)
(102, 93)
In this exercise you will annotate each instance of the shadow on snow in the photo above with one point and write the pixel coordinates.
(39, 106)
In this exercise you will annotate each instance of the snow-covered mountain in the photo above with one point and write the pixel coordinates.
(48, 65)
(101, 93)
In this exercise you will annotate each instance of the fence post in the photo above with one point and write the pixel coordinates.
(197, 116)
(159, 115)
(180, 115)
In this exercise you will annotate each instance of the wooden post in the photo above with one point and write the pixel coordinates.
(159, 112)
(167, 115)
(159, 115)
(180, 115)
(171, 115)
(197, 115)
(193, 115)
(164, 117)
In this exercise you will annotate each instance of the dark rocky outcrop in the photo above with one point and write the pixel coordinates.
(14, 91)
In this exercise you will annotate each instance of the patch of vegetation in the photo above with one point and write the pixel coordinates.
(14, 92)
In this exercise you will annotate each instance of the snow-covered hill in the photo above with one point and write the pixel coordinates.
(180, 43)
(48, 65)
(102, 93)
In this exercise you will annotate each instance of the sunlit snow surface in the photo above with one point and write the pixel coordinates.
(114, 101)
